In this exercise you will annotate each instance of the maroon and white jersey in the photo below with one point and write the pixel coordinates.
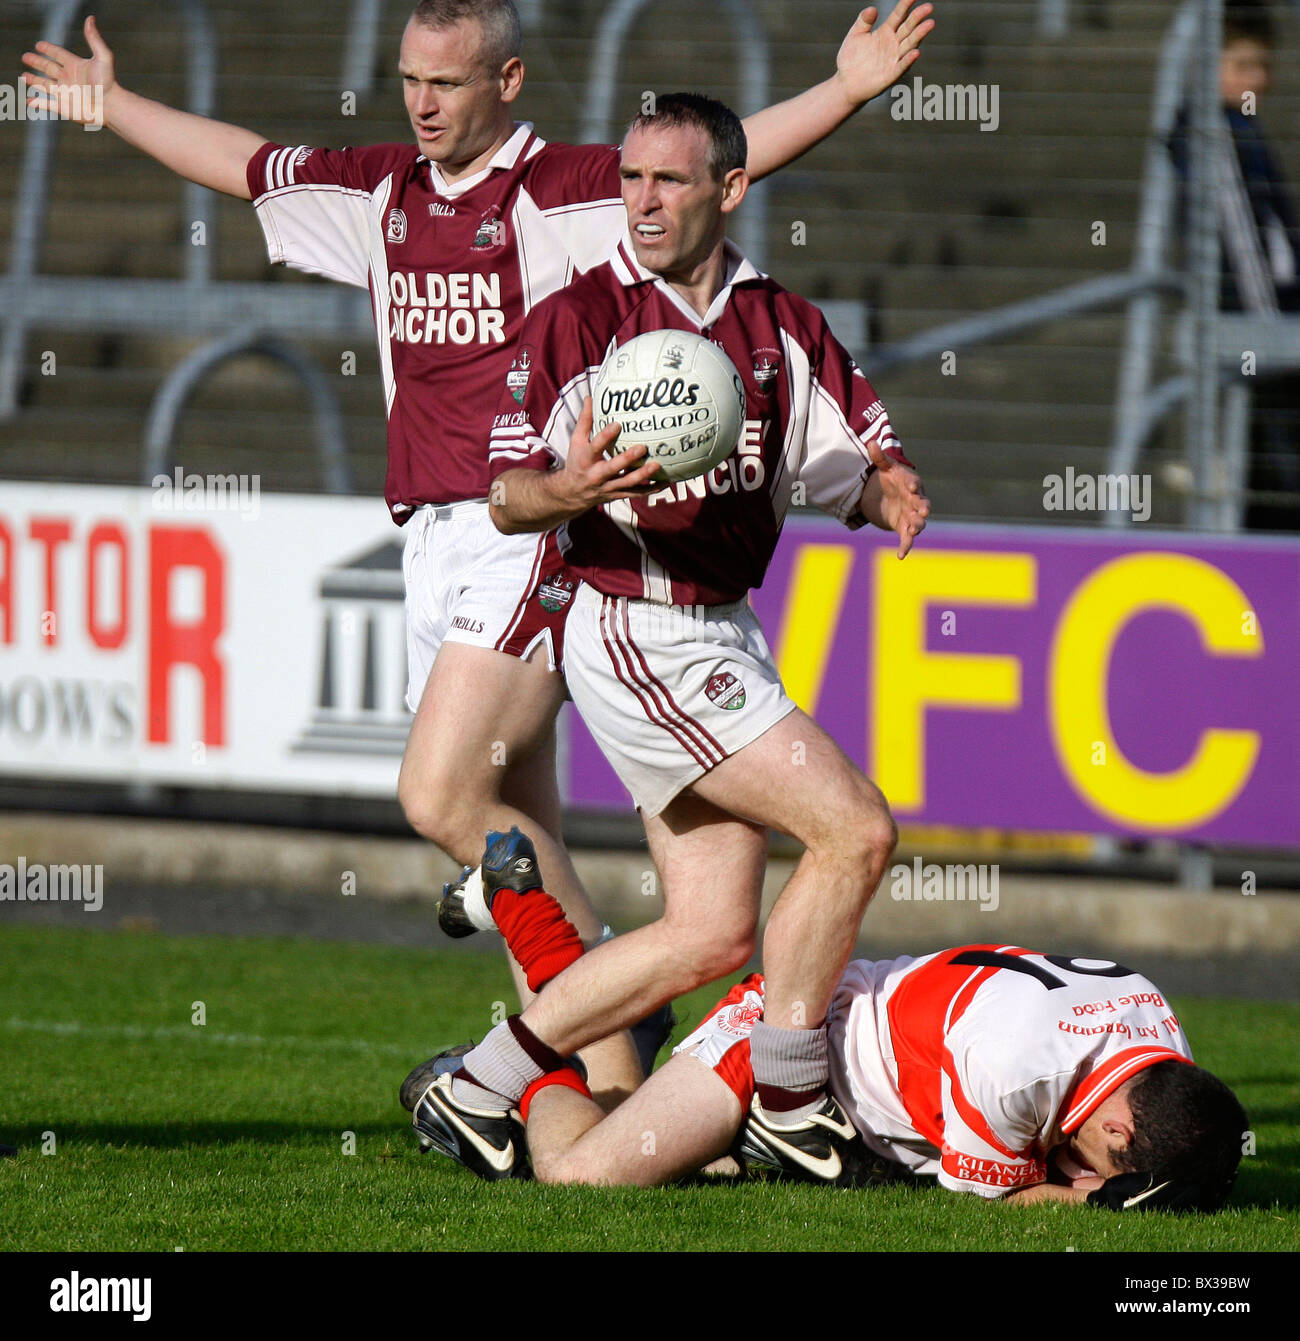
(452, 269)
(974, 1063)
(810, 414)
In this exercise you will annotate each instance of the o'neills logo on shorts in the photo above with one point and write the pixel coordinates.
(555, 592)
(726, 691)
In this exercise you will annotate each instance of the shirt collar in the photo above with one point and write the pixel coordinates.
(1100, 1084)
(505, 157)
(739, 270)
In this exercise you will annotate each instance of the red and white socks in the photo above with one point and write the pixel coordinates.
(511, 1059)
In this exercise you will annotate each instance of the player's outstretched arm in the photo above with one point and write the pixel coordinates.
(541, 500)
(894, 499)
(1040, 1192)
(211, 153)
(867, 64)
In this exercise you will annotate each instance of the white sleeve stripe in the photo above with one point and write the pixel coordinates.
(562, 398)
(281, 191)
(797, 370)
(497, 454)
(605, 204)
(838, 409)
(277, 166)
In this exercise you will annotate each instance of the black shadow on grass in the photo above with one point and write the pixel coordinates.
(1282, 1113)
(1271, 1180)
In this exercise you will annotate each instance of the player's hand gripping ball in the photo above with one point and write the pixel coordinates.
(677, 393)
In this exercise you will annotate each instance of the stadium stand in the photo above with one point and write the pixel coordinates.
(923, 222)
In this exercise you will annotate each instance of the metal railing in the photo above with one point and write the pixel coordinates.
(263, 317)
(755, 85)
(29, 215)
(1209, 344)
(183, 380)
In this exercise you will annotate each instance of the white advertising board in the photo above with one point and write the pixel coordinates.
(202, 637)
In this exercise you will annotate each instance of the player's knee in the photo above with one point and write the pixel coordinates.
(724, 951)
(420, 814)
(439, 813)
(880, 833)
(860, 831)
(734, 954)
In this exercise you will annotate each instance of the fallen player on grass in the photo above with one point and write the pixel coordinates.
(998, 1070)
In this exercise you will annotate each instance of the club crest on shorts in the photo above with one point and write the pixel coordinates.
(396, 226)
(555, 592)
(520, 371)
(726, 691)
(740, 1019)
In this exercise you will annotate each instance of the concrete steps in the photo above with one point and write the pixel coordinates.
(927, 222)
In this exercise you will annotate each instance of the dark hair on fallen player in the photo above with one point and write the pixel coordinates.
(728, 148)
(499, 20)
(1187, 1126)
(1248, 21)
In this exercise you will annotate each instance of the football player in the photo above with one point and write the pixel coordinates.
(998, 1070)
(663, 655)
(457, 234)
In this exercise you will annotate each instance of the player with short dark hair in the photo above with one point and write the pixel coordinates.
(1188, 1127)
(728, 146)
(664, 657)
(457, 236)
(997, 1070)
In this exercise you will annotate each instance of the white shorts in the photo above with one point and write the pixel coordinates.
(468, 583)
(669, 691)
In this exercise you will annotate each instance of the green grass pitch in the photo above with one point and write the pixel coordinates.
(231, 1134)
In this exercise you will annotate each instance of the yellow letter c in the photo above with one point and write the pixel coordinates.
(1078, 684)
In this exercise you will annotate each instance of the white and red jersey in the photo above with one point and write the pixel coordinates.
(974, 1063)
(810, 414)
(452, 269)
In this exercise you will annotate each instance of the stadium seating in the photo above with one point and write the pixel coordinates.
(923, 221)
